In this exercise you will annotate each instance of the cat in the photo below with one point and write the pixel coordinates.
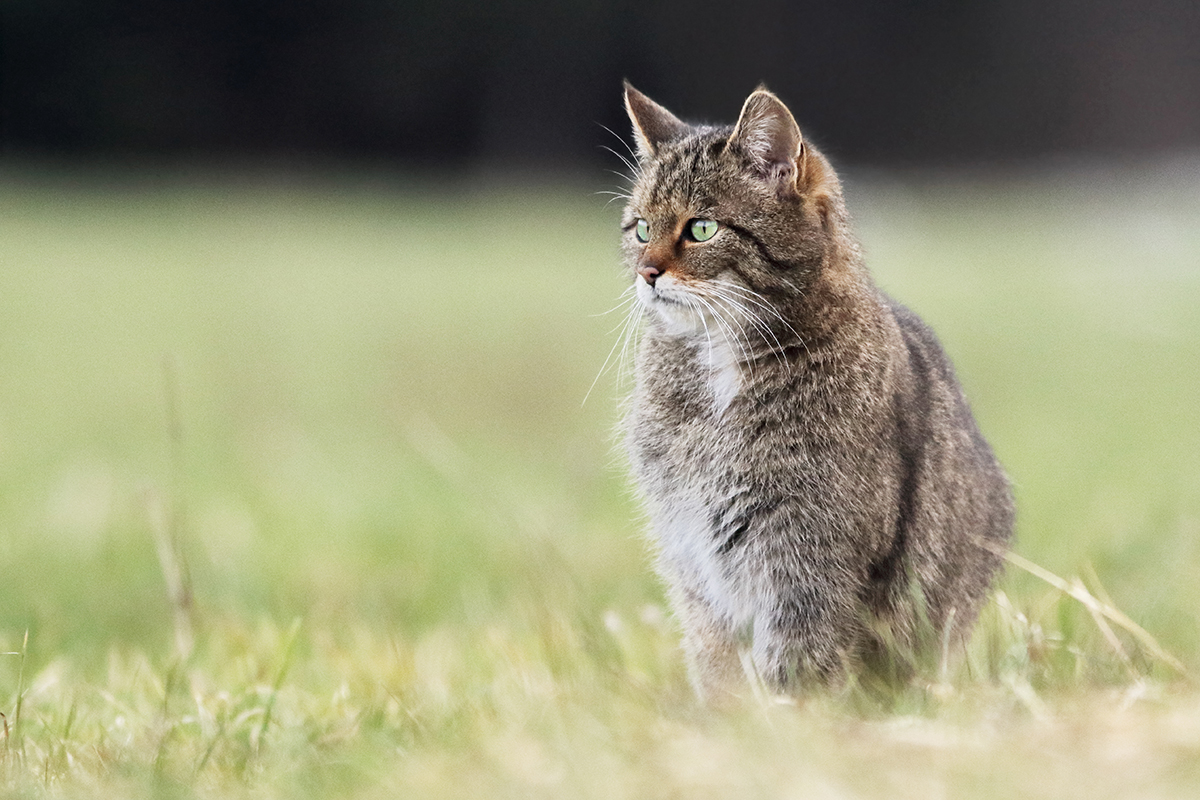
(815, 482)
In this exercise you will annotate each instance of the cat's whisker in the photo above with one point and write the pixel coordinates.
(622, 340)
(739, 316)
(727, 329)
(631, 179)
(759, 301)
(628, 296)
(743, 311)
(762, 303)
(620, 326)
(631, 336)
(615, 195)
(697, 302)
(739, 308)
(708, 335)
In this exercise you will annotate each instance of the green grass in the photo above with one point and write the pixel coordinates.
(357, 411)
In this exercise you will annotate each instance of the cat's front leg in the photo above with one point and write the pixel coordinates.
(805, 630)
(711, 646)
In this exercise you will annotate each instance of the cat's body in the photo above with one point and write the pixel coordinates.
(810, 467)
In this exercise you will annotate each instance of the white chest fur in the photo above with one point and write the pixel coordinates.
(689, 554)
(724, 372)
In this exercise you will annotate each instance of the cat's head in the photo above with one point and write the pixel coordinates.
(726, 222)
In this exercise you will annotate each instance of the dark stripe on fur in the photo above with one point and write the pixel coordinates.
(779, 264)
(910, 435)
(731, 524)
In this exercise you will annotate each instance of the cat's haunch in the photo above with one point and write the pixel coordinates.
(817, 487)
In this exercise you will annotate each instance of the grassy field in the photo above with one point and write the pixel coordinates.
(299, 498)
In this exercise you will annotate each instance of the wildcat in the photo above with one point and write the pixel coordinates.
(815, 481)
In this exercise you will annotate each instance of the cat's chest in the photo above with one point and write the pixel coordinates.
(695, 417)
(697, 386)
(721, 376)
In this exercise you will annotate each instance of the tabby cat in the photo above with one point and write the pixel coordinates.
(815, 481)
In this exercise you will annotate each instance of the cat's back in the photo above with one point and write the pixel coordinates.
(956, 505)
(931, 402)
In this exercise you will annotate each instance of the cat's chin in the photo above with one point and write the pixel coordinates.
(670, 305)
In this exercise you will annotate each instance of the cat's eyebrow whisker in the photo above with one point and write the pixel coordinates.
(615, 195)
(631, 165)
(620, 139)
(630, 179)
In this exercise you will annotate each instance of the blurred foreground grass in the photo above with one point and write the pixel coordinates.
(415, 566)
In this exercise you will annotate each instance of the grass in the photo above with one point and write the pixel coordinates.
(299, 499)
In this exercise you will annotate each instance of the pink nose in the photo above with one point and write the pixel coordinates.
(649, 273)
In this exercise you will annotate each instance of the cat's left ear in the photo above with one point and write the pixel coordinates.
(767, 132)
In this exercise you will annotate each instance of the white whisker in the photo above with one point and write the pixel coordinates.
(727, 329)
(628, 296)
(628, 325)
(631, 336)
(707, 332)
(631, 179)
(758, 300)
(620, 138)
(760, 325)
(762, 303)
(631, 166)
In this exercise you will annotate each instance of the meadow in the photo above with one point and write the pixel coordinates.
(300, 497)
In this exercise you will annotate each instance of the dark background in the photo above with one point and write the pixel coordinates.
(521, 83)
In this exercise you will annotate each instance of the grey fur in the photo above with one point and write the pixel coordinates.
(810, 467)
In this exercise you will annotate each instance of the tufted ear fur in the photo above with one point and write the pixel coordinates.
(652, 124)
(767, 133)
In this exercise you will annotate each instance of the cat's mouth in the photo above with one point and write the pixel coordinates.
(651, 294)
(657, 296)
(672, 304)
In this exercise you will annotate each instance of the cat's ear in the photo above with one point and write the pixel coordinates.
(652, 124)
(767, 133)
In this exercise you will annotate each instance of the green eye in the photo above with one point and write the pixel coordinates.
(703, 229)
(642, 231)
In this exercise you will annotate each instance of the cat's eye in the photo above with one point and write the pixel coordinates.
(642, 231)
(703, 229)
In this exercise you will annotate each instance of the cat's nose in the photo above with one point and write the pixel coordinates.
(649, 273)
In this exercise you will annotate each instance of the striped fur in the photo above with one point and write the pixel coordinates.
(811, 470)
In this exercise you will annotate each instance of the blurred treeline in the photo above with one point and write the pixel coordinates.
(520, 82)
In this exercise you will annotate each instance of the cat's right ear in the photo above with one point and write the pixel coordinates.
(652, 124)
